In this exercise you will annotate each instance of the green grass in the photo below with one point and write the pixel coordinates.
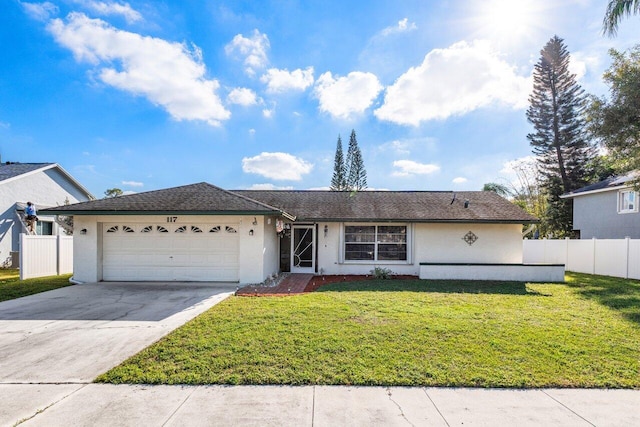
(11, 287)
(585, 333)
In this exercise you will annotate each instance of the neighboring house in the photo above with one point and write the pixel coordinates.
(607, 209)
(200, 232)
(43, 184)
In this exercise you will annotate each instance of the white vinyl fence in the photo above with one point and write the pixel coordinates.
(609, 257)
(45, 255)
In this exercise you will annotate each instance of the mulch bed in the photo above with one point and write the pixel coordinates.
(320, 281)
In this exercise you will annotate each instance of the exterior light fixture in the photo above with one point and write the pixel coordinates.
(83, 231)
(326, 230)
(255, 221)
(251, 232)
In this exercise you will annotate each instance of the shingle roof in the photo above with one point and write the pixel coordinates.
(10, 170)
(609, 183)
(425, 206)
(420, 206)
(202, 198)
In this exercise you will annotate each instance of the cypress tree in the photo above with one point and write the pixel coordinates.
(556, 111)
(339, 178)
(356, 173)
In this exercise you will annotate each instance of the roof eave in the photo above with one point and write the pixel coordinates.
(158, 212)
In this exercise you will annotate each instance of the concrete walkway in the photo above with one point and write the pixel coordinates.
(125, 405)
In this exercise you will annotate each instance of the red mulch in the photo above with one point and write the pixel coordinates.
(319, 281)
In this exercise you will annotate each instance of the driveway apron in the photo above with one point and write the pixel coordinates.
(73, 334)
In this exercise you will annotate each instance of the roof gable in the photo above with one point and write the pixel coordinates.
(201, 198)
(10, 171)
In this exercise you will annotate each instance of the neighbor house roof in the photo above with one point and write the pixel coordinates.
(194, 199)
(609, 184)
(13, 170)
(418, 206)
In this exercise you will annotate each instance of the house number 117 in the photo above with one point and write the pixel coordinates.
(172, 218)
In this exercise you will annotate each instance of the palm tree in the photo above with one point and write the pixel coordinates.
(616, 10)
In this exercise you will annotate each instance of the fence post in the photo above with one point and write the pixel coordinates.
(58, 252)
(593, 257)
(626, 276)
(21, 249)
(566, 252)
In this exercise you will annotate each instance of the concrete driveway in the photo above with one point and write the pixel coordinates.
(73, 334)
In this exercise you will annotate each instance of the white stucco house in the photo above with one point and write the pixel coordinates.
(201, 232)
(45, 185)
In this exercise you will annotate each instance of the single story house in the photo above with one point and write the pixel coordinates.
(201, 232)
(43, 184)
(607, 209)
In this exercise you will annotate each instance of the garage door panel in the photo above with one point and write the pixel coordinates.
(186, 255)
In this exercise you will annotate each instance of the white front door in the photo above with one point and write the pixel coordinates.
(303, 249)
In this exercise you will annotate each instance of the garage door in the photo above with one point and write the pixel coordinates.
(160, 252)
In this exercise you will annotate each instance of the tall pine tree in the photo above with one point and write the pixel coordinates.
(556, 113)
(339, 178)
(356, 173)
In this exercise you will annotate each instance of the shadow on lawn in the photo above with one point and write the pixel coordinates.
(622, 295)
(437, 286)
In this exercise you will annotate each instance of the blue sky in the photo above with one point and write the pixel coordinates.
(143, 95)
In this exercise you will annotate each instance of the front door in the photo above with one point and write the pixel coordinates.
(303, 249)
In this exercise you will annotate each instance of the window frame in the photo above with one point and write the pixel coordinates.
(377, 243)
(621, 201)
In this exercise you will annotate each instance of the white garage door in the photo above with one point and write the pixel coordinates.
(160, 252)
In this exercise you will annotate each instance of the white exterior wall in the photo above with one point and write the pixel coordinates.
(257, 253)
(514, 272)
(497, 243)
(271, 254)
(43, 188)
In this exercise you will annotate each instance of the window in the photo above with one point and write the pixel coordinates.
(44, 228)
(375, 243)
(627, 201)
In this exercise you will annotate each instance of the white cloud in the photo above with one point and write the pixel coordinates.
(252, 131)
(253, 49)
(267, 113)
(346, 96)
(242, 96)
(409, 167)
(111, 8)
(40, 11)
(283, 80)
(459, 180)
(403, 26)
(279, 166)
(168, 74)
(267, 186)
(128, 192)
(453, 81)
(133, 183)
(5, 125)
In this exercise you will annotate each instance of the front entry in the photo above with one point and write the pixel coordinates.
(303, 249)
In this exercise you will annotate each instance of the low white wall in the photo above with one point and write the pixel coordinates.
(502, 272)
(608, 257)
(431, 242)
(42, 256)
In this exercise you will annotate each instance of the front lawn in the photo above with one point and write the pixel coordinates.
(11, 287)
(585, 333)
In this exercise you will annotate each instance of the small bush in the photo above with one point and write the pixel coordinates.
(381, 273)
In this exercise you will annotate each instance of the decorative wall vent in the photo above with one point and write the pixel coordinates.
(195, 229)
(127, 229)
(161, 229)
(230, 229)
(147, 229)
(470, 238)
(113, 229)
(215, 229)
(181, 229)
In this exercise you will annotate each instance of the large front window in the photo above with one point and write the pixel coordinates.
(375, 243)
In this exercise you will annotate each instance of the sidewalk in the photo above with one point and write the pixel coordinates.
(135, 405)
